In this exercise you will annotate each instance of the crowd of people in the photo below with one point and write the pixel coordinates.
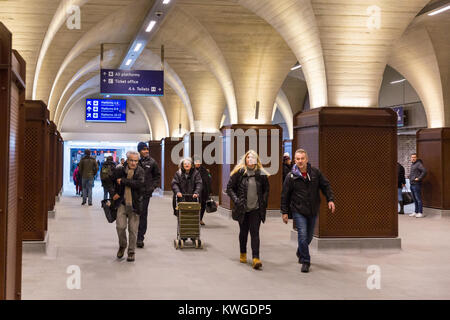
(130, 185)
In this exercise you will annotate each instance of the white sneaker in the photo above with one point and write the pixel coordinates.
(412, 215)
(419, 215)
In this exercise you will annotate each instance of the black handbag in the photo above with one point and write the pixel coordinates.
(211, 205)
(407, 197)
(110, 210)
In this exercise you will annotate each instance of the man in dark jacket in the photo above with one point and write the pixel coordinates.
(301, 199)
(88, 170)
(206, 186)
(417, 173)
(401, 183)
(152, 180)
(287, 165)
(105, 175)
(128, 189)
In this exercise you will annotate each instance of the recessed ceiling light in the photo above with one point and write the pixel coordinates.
(138, 46)
(128, 62)
(297, 66)
(398, 81)
(439, 10)
(166, 1)
(150, 26)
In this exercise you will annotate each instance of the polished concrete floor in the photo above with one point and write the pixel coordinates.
(80, 236)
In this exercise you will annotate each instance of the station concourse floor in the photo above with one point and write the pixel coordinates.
(81, 236)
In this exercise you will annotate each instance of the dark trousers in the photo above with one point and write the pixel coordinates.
(105, 193)
(202, 210)
(143, 219)
(305, 231)
(416, 192)
(251, 222)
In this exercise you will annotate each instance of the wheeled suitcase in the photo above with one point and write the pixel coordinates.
(188, 224)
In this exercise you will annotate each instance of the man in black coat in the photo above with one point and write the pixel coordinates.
(128, 189)
(301, 199)
(401, 182)
(105, 175)
(152, 180)
(287, 165)
(206, 187)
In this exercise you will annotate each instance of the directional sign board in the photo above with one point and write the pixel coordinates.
(132, 82)
(399, 111)
(101, 110)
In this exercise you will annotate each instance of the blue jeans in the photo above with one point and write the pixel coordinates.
(416, 192)
(305, 227)
(87, 189)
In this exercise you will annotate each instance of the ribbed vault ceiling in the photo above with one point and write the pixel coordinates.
(228, 54)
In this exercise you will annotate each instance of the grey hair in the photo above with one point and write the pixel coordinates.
(183, 160)
(134, 153)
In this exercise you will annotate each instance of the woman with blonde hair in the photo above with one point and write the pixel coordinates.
(248, 188)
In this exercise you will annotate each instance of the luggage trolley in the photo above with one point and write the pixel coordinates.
(188, 222)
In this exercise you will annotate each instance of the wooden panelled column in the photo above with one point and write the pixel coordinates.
(214, 168)
(36, 171)
(57, 163)
(433, 147)
(231, 157)
(169, 168)
(60, 163)
(155, 150)
(51, 161)
(356, 149)
(12, 95)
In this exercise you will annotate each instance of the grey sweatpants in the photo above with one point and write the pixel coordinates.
(122, 220)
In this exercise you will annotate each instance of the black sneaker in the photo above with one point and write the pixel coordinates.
(83, 203)
(130, 257)
(305, 267)
(140, 244)
(90, 204)
(120, 253)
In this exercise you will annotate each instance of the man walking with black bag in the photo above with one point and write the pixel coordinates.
(301, 199)
(128, 190)
(417, 173)
(152, 180)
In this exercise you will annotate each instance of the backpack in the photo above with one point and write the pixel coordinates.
(105, 173)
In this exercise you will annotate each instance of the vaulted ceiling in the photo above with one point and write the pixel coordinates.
(224, 56)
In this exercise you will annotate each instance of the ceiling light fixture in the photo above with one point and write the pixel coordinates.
(138, 46)
(150, 26)
(398, 81)
(439, 10)
(128, 62)
(297, 66)
(166, 1)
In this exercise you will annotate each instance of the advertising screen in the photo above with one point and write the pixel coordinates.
(106, 110)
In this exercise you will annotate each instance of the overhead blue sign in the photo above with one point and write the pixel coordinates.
(399, 111)
(102, 110)
(132, 82)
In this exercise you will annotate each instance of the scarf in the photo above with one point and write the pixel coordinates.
(128, 194)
